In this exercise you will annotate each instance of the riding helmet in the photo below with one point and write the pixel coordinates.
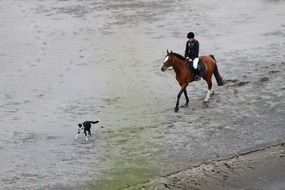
(190, 35)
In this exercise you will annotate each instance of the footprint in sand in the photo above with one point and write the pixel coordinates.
(235, 83)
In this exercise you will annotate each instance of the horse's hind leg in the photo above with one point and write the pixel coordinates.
(209, 91)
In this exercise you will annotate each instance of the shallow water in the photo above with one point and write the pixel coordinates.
(66, 61)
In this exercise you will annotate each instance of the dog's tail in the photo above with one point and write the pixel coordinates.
(94, 122)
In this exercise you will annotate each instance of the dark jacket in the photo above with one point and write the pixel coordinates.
(192, 49)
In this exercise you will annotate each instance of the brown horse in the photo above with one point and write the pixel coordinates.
(184, 75)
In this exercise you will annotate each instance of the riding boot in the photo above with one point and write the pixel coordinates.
(189, 65)
(197, 76)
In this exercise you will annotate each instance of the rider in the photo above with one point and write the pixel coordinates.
(192, 52)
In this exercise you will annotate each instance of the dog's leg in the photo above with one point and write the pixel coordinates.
(86, 136)
(86, 131)
(78, 132)
(89, 132)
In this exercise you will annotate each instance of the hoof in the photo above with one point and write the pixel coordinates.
(176, 109)
(205, 104)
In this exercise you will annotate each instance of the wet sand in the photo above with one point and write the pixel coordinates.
(66, 61)
(261, 168)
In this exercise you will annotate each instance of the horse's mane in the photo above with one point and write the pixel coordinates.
(179, 56)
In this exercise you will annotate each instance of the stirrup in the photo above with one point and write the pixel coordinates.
(197, 78)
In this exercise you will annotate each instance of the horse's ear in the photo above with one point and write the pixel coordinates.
(171, 52)
(167, 51)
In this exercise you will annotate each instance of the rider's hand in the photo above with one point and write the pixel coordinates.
(188, 58)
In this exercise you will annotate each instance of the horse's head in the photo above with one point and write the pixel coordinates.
(167, 61)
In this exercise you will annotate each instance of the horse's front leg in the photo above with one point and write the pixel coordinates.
(178, 97)
(186, 96)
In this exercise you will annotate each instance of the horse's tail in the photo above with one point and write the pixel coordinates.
(217, 74)
(213, 57)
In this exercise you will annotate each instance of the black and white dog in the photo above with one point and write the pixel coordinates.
(86, 128)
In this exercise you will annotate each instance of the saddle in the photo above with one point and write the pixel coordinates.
(201, 67)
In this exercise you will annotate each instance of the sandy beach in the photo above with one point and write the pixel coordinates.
(67, 61)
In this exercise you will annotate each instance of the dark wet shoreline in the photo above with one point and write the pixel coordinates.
(253, 169)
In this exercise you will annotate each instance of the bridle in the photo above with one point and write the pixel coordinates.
(166, 64)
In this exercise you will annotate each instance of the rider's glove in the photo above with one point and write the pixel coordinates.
(188, 58)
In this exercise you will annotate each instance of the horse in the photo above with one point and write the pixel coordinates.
(184, 75)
